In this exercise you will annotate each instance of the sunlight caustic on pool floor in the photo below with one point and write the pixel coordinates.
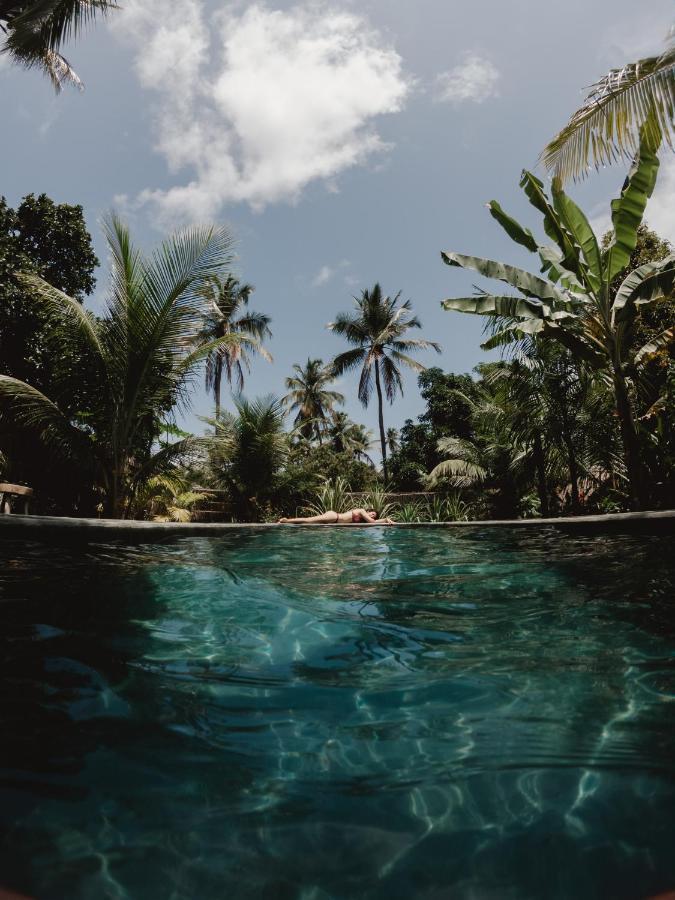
(340, 714)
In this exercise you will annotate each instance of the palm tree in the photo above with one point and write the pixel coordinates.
(576, 307)
(393, 442)
(607, 126)
(35, 32)
(227, 315)
(142, 356)
(377, 330)
(349, 437)
(248, 452)
(309, 396)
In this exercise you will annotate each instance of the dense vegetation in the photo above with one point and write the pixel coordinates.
(575, 417)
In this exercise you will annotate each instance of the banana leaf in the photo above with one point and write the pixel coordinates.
(554, 228)
(491, 305)
(578, 225)
(513, 333)
(653, 347)
(629, 208)
(646, 284)
(514, 229)
(552, 264)
(530, 285)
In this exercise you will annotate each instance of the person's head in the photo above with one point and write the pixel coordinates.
(372, 512)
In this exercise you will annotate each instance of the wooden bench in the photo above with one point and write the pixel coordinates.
(8, 493)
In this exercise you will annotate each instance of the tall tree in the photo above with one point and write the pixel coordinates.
(50, 240)
(350, 437)
(228, 315)
(377, 330)
(393, 442)
(142, 354)
(639, 95)
(35, 31)
(309, 397)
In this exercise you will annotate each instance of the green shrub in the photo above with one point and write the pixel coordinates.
(334, 494)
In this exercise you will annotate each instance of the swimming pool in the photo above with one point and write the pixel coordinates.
(337, 713)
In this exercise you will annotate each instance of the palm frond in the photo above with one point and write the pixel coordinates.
(32, 410)
(37, 30)
(607, 126)
(68, 310)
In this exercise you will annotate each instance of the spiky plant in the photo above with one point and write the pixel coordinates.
(333, 494)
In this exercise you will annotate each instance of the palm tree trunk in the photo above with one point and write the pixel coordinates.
(573, 467)
(216, 393)
(217, 380)
(383, 441)
(631, 448)
(540, 466)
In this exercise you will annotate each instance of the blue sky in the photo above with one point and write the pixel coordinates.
(343, 143)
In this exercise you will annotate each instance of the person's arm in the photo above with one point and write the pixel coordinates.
(371, 520)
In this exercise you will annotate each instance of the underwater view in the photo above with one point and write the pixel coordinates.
(339, 713)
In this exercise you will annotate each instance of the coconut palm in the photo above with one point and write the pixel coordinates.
(35, 31)
(607, 126)
(393, 441)
(309, 397)
(350, 437)
(141, 355)
(377, 330)
(576, 306)
(228, 314)
(248, 451)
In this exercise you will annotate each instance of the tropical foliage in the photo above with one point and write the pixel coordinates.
(227, 315)
(345, 436)
(139, 357)
(310, 398)
(247, 454)
(378, 331)
(575, 306)
(606, 128)
(36, 31)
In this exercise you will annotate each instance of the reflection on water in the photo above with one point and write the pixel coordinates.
(339, 714)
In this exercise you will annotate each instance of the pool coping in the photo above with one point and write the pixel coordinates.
(55, 527)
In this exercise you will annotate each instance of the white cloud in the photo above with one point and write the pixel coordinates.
(474, 80)
(659, 212)
(323, 276)
(258, 104)
(327, 273)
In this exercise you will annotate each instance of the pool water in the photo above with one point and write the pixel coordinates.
(339, 713)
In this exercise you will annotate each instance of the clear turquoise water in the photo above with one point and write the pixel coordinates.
(339, 713)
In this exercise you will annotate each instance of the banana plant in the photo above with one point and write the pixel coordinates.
(571, 301)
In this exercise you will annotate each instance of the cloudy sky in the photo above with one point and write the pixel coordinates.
(343, 142)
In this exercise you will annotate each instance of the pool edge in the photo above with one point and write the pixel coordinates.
(55, 527)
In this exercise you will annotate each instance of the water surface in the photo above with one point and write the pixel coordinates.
(338, 713)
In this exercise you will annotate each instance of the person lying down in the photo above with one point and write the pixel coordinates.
(353, 517)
